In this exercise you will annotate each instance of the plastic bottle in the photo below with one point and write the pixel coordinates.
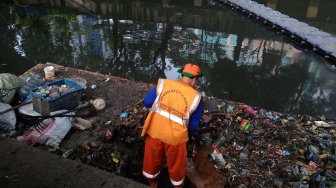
(245, 125)
(217, 156)
(276, 118)
(220, 141)
(32, 82)
(229, 109)
(304, 184)
(245, 172)
(243, 156)
(295, 169)
(269, 115)
(67, 153)
(249, 110)
(278, 182)
(331, 175)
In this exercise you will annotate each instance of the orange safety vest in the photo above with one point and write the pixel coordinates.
(169, 116)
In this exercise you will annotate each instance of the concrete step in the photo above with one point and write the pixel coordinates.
(25, 166)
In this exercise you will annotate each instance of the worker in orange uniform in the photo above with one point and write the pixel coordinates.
(176, 109)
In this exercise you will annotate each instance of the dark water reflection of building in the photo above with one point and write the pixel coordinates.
(142, 41)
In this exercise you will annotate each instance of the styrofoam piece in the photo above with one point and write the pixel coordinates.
(310, 34)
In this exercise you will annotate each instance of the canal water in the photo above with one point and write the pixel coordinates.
(145, 40)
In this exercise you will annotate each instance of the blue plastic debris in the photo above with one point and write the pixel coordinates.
(123, 115)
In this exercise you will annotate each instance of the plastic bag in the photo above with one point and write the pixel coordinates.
(9, 83)
(8, 119)
(51, 132)
(55, 135)
(31, 82)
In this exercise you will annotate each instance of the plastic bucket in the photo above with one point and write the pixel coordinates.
(49, 72)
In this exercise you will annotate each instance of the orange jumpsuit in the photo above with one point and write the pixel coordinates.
(166, 128)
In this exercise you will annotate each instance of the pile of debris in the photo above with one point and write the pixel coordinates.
(259, 148)
(236, 145)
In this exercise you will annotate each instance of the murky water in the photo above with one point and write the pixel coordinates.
(144, 40)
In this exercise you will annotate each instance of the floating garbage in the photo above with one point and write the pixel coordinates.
(323, 124)
(272, 154)
(280, 150)
(245, 125)
(218, 158)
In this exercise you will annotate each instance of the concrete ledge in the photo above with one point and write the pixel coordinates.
(25, 166)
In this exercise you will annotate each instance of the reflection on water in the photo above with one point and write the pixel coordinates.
(241, 60)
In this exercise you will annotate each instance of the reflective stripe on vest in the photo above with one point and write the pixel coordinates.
(193, 105)
(172, 117)
(182, 121)
(156, 101)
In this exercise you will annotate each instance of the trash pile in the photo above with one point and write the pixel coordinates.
(259, 148)
(9, 85)
(28, 124)
(250, 146)
(244, 146)
(120, 149)
(53, 92)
